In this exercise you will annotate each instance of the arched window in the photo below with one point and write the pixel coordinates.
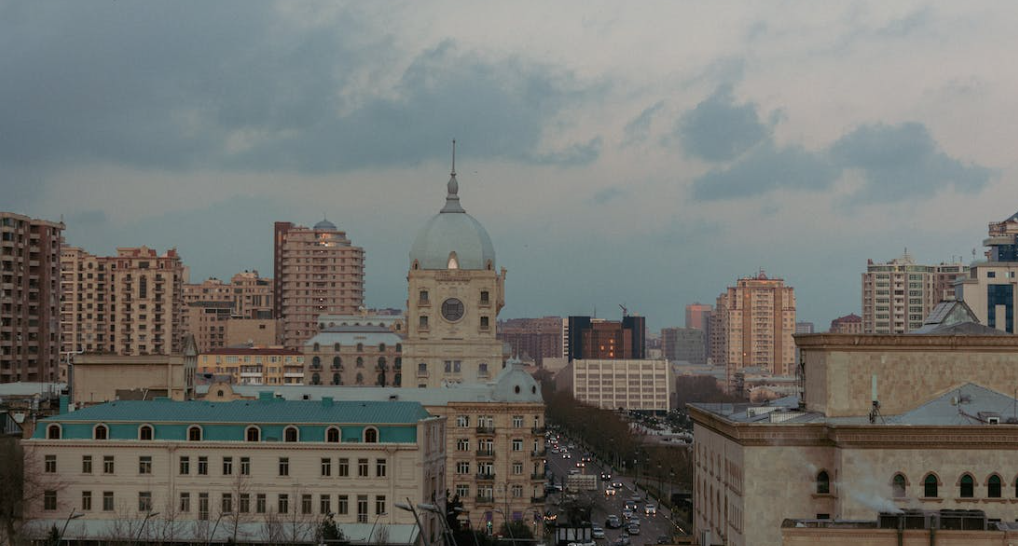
(100, 432)
(381, 363)
(337, 379)
(381, 347)
(360, 378)
(397, 380)
(823, 483)
(966, 486)
(316, 362)
(381, 379)
(360, 347)
(337, 363)
(145, 432)
(316, 379)
(194, 433)
(898, 484)
(360, 362)
(290, 434)
(317, 347)
(53, 432)
(993, 487)
(930, 486)
(335, 348)
(371, 435)
(253, 434)
(332, 435)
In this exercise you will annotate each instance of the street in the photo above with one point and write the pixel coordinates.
(651, 527)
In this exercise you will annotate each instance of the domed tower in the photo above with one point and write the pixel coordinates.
(455, 295)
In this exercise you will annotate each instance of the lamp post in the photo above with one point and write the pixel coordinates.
(409, 507)
(372, 532)
(142, 528)
(428, 507)
(70, 516)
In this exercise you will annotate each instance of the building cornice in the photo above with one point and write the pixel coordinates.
(891, 342)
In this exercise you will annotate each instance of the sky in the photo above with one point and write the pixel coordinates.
(646, 154)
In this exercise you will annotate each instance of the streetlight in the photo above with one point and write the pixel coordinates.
(142, 528)
(409, 507)
(372, 532)
(428, 507)
(70, 516)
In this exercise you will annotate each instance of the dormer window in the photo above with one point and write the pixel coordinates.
(145, 432)
(290, 434)
(53, 432)
(194, 434)
(100, 432)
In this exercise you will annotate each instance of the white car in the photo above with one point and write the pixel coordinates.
(650, 509)
(609, 492)
(596, 532)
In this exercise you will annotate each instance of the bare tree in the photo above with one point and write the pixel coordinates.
(234, 519)
(22, 485)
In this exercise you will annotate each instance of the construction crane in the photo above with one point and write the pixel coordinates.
(625, 312)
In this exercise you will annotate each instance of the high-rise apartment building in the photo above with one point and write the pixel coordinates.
(317, 271)
(684, 345)
(29, 298)
(128, 304)
(212, 304)
(591, 338)
(701, 317)
(898, 295)
(535, 338)
(988, 288)
(753, 326)
(848, 324)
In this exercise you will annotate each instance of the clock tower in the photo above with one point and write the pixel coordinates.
(455, 294)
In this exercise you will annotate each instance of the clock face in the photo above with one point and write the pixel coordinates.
(452, 309)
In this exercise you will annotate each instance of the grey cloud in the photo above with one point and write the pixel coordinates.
(608, 194)
(718, 129)
(576, 154)
(906, 25)
(766, 168)
(638, 128)
(903, 161)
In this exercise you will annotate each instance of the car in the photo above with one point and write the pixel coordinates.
(591, 543)
(650, 509)
(580, 464)
(617, 484)
(571, 446)
(630, 505)
(587, 459)
(627, 513)
(633, 529)
(567, 456)
(613, 522)
(609, 492)
(605, 476)
(622, 541)
(596, 532)
(634, 520)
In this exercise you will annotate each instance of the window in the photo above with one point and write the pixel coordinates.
(86, 464)
(517, 444)
(823, 483)
(517, 468)
(108, 467)
(422, 322)
(344, 505)
(290, 434)
(53, 432)
(344, 468)
(144, 501)
(930, 486)
(463, 467)
(484, 297)
(100, 432)
(108, 501)
(370, 435)
(253, 434)
(517, 421)
(305, 504)
(362, 467)
(993, 487)
(185, 466)
(185, 502)
(326, 467)
(227, 466)
(260, 504)
(245, 466)
(49, 500)
(51, 464)
(463, 444)
(362, 508)
(379, 504)
(517, 491)
(967, 487)
(283, 503)
(86, 500)
(463, 421)
(337, 362)
(203, 506)
(324, 504)
(462, 491)
(194, 434)
(284, 466)
(245, 503)
(898, 486)
(203, 466)
(145, 432)
(423, 296)
(380, 468)
(227, 503)
(144, 464)
(484, 323)
(332, 435)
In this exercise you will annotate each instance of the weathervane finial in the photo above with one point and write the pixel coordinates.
(453, 157)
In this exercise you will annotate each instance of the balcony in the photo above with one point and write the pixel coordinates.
(486, 430)
(538, 430)
(486, 477)
(537, 453)
(484, 500)
(538, 477)
(485, 452)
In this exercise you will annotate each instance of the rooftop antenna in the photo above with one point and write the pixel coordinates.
(453, 157)
(875, 410)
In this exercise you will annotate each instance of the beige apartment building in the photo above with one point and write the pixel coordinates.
(96, 378)
(363, 355)
(29, 298)
(884, 423)
(262, 470)
(898, 295)
(753, 324)
(455, 295)
(250, 294)
(128, 304)
(211, 306)
(255, 365)
(318, 271)
(253, 332)
(494, 441)
(645, 385)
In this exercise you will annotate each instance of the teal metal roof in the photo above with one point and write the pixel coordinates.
(250, 411)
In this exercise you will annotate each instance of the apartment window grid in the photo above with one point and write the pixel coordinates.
(362, 468)
(325, 504)
(185, 502)
(284, 467)
(343, 508)
(203, 506)
(462, 490)
(49, 500)
(379, 504)
(203, 466)
(86, 464)
(517, 421)
(244, 503)
(185, 466)
(463, 444)
(261, 503)
(326, 467)
(463, 467)
(344, 468)
(86, 500)
(144, 501)
(50, 465)
(380, 468)
(227, 503)
(283, 503)
(362, 508)
(517, 444)
(108, 464)
(144, 464)
(305, 503)
(108, 501)
(245, 466)
(227, 466)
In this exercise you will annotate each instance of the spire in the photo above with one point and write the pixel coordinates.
(452, 200)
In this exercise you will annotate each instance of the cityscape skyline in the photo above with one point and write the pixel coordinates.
(693, 166)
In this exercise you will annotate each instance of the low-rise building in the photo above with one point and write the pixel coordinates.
(266, 470)
(644, 385)
(97, 378)
(254, 332)
(254, 365)
(354, 355)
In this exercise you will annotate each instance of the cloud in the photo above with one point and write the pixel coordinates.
(903, 161)
(638, 128)
(602, 197)
(764, 169)
(718, 129)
